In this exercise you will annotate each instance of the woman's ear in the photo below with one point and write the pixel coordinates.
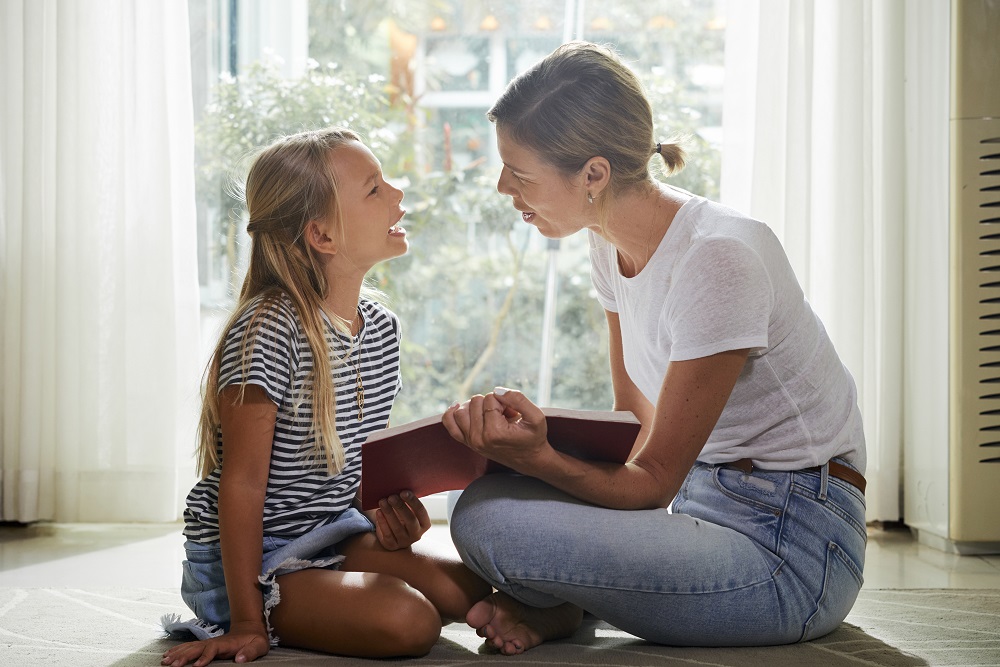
(597, 175)
(318, 238)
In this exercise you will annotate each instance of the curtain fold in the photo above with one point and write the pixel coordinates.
(99, 341)
(814, 146)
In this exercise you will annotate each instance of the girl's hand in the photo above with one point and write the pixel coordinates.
(503, 426)
(243, 645)
(400, 521)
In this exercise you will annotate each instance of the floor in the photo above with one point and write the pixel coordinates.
(148, 556)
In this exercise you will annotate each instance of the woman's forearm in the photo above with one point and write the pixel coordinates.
(630, 486)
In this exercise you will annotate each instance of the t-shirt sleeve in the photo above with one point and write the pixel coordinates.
(270, 355)
(397, 330)
(601, 271)
(723, 301)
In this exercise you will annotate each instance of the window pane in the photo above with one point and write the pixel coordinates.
(484, 299)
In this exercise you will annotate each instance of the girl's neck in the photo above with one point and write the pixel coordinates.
(637, 223)
(342, 301)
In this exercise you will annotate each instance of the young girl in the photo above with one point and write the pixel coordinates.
(305, 369)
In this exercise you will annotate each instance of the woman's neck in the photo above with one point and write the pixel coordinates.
(637, 223)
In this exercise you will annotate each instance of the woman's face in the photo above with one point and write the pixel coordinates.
(557, 206)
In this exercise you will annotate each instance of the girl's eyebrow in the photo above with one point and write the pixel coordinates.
(369, 180)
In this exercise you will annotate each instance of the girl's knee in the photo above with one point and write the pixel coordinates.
(413, 626)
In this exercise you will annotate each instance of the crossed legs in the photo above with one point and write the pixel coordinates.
(379, 604)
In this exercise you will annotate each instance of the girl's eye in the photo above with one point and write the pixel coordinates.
(374, 191)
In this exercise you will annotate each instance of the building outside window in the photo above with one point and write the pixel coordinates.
(483, 298)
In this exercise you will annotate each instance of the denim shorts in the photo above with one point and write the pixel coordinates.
(741, 559)
(203, 585)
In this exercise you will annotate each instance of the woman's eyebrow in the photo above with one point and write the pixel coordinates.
(513, 168)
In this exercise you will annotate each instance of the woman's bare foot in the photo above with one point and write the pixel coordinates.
(513, 628)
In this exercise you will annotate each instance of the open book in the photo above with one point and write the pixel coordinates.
(421, 456)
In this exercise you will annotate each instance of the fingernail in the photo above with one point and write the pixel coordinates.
(453, 405)
(499, 391)
(407, 495)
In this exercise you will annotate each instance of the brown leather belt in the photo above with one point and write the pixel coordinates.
(838, 470)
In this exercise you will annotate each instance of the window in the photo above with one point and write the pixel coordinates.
(484, 299)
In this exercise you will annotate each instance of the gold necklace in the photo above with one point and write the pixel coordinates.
(359, 386)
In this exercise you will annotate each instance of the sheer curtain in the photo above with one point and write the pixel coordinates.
(98, 288)
(814, 146)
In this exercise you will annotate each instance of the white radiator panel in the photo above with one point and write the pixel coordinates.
(974, 457)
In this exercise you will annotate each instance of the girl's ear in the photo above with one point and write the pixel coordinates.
(597, 175)
(318, 238)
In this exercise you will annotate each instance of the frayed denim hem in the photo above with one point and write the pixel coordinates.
(272, 592)
(204, 588)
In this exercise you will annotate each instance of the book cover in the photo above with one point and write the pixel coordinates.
(421, 456)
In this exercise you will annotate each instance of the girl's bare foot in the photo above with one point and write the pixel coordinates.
(513, 628)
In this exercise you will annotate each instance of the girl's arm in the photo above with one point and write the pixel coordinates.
(691, 399)
(247, 434)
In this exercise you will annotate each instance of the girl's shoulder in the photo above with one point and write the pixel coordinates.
(379, 317)
(271, 312)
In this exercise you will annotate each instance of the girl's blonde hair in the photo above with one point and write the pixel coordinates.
(290, 183)
(579, 102)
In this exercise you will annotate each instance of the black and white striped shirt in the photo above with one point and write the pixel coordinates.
(301, 495)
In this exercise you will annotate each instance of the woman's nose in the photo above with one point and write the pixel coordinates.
(502, 183)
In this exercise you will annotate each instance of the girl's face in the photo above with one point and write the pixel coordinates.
(545, 198)
(369, 206)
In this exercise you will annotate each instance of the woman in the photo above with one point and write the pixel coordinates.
(750, 425)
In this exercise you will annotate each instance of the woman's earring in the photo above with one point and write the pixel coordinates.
(590, 198)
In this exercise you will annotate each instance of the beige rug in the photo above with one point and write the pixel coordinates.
(119, 627)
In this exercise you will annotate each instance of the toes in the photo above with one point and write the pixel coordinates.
(512, 648)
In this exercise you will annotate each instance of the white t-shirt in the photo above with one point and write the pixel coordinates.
(721, 281)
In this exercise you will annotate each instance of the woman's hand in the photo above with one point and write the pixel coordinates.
(242, 644)
(400, 521)
(503, 426)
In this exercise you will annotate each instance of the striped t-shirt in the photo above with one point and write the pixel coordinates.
(301, 495)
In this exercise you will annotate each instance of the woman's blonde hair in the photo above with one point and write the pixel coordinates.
(290, 183)
(579, 102)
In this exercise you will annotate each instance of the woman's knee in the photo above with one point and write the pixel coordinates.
(494, 505)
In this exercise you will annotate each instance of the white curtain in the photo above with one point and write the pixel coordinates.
(814, 146)
(99, 343)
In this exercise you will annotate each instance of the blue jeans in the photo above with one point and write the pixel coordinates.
(742, 560)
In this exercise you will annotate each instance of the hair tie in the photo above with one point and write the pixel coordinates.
(658, 147)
